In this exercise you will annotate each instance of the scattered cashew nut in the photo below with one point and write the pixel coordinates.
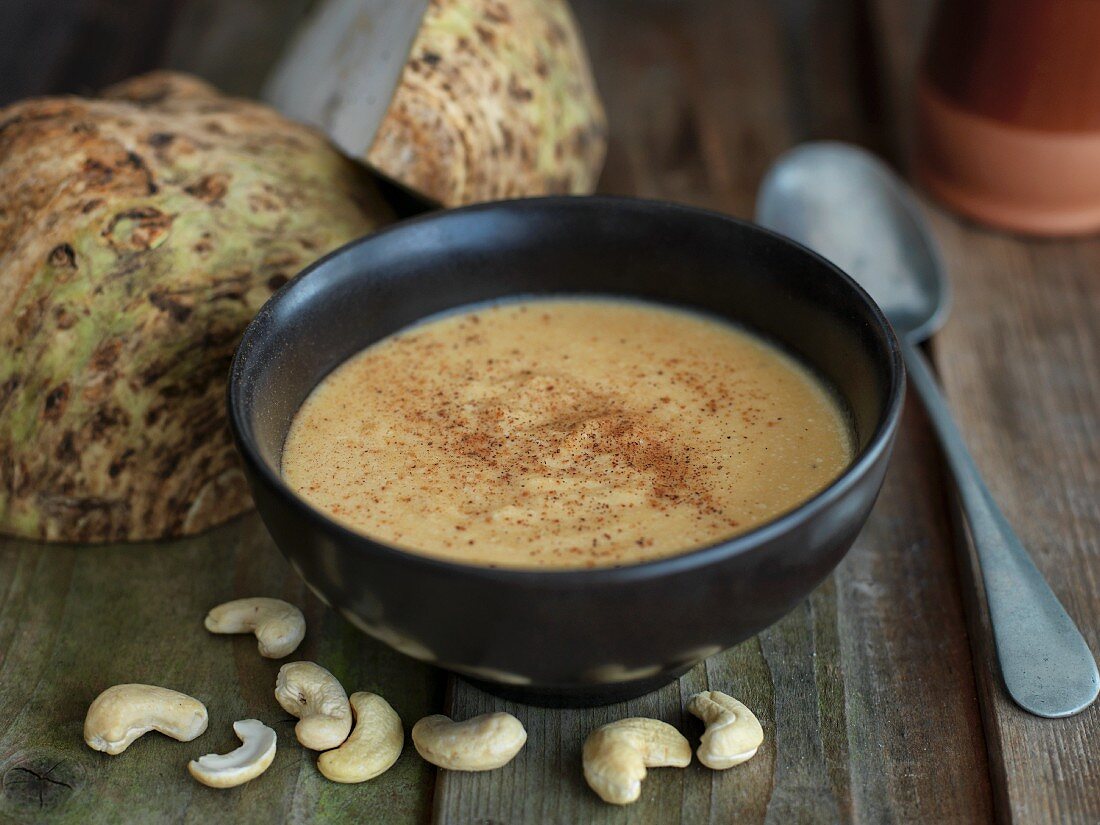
(311, 693)
(252, 758)
(122, 713)
(373, 746)
(479, 744)
(616, 756)
(733, 733)
(278, 625)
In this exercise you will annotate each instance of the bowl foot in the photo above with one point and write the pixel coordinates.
(578, 696)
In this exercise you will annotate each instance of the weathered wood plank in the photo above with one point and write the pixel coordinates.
(1020, 361)
(1024, 380)
(74, 621)
(701, 98)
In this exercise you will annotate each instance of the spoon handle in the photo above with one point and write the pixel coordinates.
(1046, 664)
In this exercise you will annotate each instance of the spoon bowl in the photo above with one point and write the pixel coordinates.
(810, 185)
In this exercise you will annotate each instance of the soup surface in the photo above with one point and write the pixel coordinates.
(565, 433)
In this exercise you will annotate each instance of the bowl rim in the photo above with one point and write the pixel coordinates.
(879, 441)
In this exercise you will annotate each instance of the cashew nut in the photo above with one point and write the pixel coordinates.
(311, 693)
(733, 733)
(479, 744)
(252, 758)
(616, 756)
(122, 713)
(279, 626)
(373, 746)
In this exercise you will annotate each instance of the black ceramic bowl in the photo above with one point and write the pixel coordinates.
(567, 637)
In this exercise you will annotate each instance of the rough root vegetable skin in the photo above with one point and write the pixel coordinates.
(139, 233)
(497, 100)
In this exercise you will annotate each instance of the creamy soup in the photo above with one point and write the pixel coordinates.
(565, 433)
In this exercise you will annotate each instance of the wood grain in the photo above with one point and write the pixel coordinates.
(1020, 363)
(74, 621)
(1024, 380)
(700, 102)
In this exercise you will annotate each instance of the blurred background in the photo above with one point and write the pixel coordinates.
(1006, 128)
(700, 93)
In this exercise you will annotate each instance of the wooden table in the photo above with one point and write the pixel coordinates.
(879, 696)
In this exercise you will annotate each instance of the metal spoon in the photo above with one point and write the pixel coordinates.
(847, 205)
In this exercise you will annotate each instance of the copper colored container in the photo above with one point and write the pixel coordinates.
(1008, 113)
